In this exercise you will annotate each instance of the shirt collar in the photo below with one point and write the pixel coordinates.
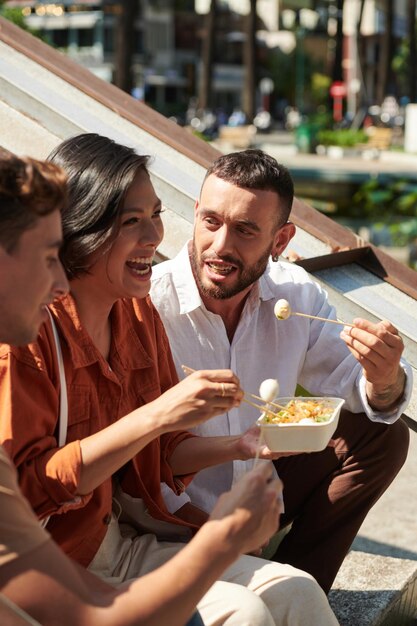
(266, 285)
(82, 349)
(183, 279)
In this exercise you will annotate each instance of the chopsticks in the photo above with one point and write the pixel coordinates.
(322, 319)
(274, 404)
(262, 408)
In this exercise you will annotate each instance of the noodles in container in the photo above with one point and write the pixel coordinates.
(302, 425)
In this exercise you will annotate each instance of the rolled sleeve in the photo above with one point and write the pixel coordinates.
(58, 472)
(48, 475)
(168, 444)
(388, 417)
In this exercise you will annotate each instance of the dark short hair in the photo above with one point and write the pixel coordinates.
(29, 189)
(100, 172)
(255, 169)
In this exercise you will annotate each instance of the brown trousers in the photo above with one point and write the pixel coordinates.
(328, 494)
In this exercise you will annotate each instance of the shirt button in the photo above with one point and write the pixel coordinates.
(107, 519)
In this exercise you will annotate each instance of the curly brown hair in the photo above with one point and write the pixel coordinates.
(29, 189)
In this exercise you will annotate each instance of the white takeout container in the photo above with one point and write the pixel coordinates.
(301, 437)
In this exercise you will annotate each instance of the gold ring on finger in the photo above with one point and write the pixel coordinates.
(223, 390)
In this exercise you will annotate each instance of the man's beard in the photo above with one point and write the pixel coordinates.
(245, 279)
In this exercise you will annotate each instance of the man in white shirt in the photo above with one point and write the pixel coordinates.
(216, 299)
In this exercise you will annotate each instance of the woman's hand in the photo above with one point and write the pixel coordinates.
(197, 398)
(192, 401)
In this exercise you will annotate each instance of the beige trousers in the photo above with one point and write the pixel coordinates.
(252, 592)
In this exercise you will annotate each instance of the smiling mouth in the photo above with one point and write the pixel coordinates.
(220, 268)
(140, 265)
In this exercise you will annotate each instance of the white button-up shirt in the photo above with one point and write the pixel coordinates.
(296, 350)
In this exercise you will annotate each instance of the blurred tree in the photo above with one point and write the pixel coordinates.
(412, 60)
(15, 15)
(386, 83)
(404, 63)
(125, 17)
(337, 73)
(249, 60)
(205, 90)
(362, 95)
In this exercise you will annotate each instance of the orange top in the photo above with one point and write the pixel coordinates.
(139, 369)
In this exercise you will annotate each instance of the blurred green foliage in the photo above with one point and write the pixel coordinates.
(381, 199)
(320, 85)
(343, 137)
(390, 206)
(15, 15)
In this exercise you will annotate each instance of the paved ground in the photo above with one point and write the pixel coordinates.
(391, 526)
(376, 584)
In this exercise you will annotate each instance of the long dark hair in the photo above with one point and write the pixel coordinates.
(100, 172)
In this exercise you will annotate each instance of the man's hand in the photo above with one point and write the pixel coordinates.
(247, 446)
(252, 507)
(378, 348)
(248, 443)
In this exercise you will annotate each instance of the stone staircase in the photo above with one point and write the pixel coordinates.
(377, 583)
(375, 590)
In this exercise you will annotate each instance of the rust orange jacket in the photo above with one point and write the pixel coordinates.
(139, 369)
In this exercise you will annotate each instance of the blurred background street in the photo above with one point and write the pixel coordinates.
(326, 86)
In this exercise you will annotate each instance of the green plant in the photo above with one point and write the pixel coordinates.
(344, 137)
(15, 15)
(385, 199)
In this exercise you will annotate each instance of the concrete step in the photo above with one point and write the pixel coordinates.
(374, 590)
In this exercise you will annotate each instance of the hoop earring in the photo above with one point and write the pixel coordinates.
(275, 258)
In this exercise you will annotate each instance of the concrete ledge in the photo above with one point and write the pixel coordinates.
(373, 590)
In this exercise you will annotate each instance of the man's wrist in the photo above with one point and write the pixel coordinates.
(387, 397)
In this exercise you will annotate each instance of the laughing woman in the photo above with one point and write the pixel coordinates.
(121, 395)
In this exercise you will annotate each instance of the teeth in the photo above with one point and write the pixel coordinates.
(221, 269)
(141, 272)
(145, 260)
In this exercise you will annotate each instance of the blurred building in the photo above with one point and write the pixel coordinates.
(167, 59)
(165, 48)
